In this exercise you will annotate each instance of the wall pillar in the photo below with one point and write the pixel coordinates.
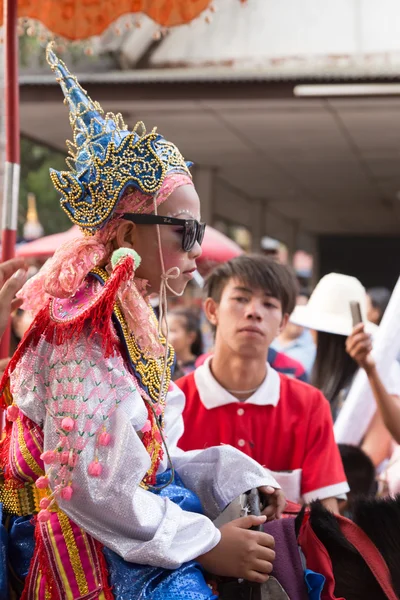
(257, 209)
(292, 239)
(204, 182)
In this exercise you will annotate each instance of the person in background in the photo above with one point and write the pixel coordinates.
(237, 398)
(377, 301)
(296, 341)
(185, 337)
(342, 350)
(20, 323)
(287, 365)
(359, 347)
(13, 275)
(270, 247)
(12, 278)
(279, 361)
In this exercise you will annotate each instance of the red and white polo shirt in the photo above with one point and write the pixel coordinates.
(286, 426)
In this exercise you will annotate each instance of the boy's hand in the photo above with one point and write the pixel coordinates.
(241, 553)
(359, 346)
(275, 501)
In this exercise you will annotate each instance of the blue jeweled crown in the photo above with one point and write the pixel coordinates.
(105, 158)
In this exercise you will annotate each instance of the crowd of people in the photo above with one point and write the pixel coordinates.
(292, 433)
(126, 437)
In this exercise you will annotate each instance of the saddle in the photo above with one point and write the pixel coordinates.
(304, 537)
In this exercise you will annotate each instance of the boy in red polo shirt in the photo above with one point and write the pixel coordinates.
(236, 398)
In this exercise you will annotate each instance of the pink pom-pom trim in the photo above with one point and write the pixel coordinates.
(66, 493)
(42, 483)
(67, 424)
(158, 410)
(104, 439)
(95, 469)
(64, 457)
(44, 515)
(12, 412)
(48, 457)
(44, 503)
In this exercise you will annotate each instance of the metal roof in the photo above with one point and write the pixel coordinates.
(222, 74)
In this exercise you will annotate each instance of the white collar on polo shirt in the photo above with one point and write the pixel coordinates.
(212, 394)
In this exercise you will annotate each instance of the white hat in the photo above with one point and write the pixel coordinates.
(329, 310)
(268, 243)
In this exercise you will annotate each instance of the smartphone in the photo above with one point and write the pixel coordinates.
(356, 313)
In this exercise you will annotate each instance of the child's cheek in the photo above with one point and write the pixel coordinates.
(172, 259)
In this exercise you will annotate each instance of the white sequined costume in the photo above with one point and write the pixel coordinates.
(134, 522)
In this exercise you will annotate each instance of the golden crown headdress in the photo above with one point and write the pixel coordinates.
(105, 158)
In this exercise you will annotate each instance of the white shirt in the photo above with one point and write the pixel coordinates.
(212, 394)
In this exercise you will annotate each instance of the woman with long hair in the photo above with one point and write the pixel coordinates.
(328, 315)
(334, 369)
(185, 337)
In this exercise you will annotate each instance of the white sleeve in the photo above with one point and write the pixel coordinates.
(217, 475)
(140, 526)
(393, 382)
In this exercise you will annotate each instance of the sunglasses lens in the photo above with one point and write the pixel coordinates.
(189, 235)
(201, 232)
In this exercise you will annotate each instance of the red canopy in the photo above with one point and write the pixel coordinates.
(82, 19)
(217, 247)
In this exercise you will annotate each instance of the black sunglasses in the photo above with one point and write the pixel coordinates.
(192, 230)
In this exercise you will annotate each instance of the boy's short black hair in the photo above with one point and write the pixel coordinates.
(359, 469)
(258, 272)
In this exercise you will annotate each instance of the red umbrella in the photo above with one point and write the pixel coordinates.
(217, 247)
(81, 19)
(46, 246)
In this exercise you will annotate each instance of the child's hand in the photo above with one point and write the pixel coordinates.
(275, 501)
(241, 553)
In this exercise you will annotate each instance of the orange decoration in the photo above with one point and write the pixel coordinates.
(81, 19)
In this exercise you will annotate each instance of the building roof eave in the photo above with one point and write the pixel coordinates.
(220, 74)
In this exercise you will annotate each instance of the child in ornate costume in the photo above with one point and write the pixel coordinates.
(88, 394)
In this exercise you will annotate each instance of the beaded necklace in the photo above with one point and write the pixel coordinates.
(148, 372)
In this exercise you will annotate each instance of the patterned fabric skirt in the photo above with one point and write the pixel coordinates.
(129, 581)
(152, 583)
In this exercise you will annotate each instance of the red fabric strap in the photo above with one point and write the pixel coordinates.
(317, 558)
(370, 553)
